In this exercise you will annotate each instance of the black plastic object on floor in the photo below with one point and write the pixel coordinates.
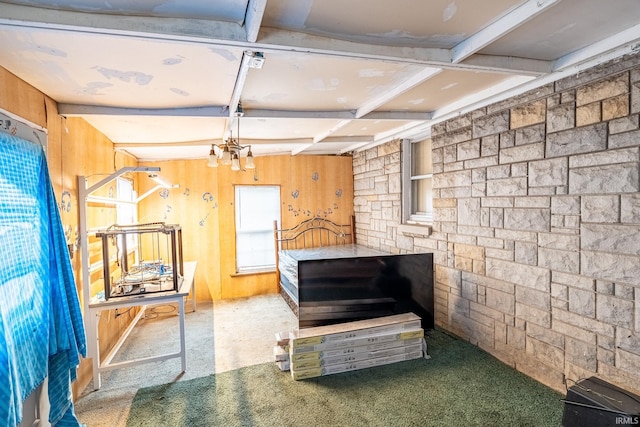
(593, 402)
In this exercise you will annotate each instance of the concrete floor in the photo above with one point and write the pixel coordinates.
(220, 336)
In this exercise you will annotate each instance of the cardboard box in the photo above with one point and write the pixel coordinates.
(355, 342)
(369, 363)
(317, 355)
(352, 330)
(355, 357)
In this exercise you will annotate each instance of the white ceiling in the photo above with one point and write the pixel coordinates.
(163, 79)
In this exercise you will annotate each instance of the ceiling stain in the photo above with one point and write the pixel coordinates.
(179, 91)
(139, 78)
(172, 61)
(93, 88)
(449, 12)
(225, 53)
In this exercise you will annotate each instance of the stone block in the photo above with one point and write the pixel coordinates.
(561, 118)
(613, 267)
(620, 178)
(438, 129)
(489, 145)
(559, 260)
(469, 211)
(458, 123)
(489, 125)
(452, 179)
(498, 172)
(507, 139)
(533, 202)
(451, 138)
(516, 338)
(613, 108)
(524, 236)
(469, 251)
(589, 114)
(604, 208)
(583, 322)
(481, 162)
(545, 335)
(573, 331)
(635, 97)
(568, 96)
(572, 221)
(628, 340)
(468, 150)
(469, 290)
(534, 315)
(448, 276)
(606, 357)
(615, 239)
(529, 114)
(582, 354)
(609, 157)
(546, 173)
(630, 209)
(519, 169)
(533, 298)
(389, 148)
(582, 302)
(455, 166)
(604, 287)
(496, 217)
(603, 89)
(565, 242)
(507, 187)
(503, 254)
(498, 202)
(565, 205)
(531, 134)
(450, 154)
(614, 311)
(444, 203)
(624, 124)
(527, 219)
(526, 253)
(576, 141)
(522, 153)
(575, 281)
(623, 291)
(559, 291)
(479, 175)
(523, 275)
(625, 139)
(628, 362)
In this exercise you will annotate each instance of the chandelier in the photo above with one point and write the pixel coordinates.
(228, 153)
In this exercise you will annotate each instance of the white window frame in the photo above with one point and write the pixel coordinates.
(263, 233)
(409, 216)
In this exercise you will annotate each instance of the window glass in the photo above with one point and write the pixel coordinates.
(256, 209)
(417, 182)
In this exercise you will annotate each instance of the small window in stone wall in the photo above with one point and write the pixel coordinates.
(417, 190)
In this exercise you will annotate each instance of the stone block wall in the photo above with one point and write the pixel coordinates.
(536, 234)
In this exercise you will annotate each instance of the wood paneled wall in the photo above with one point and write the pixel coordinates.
(204, 206)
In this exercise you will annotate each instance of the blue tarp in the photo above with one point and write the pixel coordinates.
(41, 329)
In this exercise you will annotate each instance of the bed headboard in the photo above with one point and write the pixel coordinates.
(312, 233)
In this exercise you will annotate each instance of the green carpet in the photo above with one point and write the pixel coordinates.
(459, 386)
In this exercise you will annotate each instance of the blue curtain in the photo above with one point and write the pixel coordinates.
(41, 328)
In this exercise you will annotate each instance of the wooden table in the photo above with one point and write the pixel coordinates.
(187, 287)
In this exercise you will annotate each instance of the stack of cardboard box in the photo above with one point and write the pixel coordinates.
(331, 349)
